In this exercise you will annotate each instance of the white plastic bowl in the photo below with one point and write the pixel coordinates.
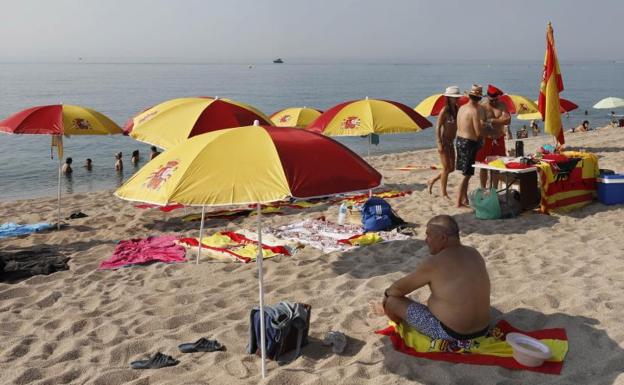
(528, 351)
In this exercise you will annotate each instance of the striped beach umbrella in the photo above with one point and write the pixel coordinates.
(246, 165)
(174, 121)
(368, 116)
(299, 117)
(432, 105)
(564, 106)
(58, 120)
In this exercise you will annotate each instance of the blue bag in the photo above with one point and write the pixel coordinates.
(377, 215)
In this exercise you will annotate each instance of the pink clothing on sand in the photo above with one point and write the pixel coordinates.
(145, 250)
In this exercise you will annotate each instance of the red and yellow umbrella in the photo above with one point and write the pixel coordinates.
(432, 105)
(368, 116)
(299, 117)
(58, 120)
(250, 165)
(564, 106)
(253, 164)
(174, 121)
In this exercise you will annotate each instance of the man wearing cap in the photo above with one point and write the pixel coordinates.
(493, 144)
(469, 131)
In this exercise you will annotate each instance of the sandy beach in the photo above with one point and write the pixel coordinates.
(84, 326)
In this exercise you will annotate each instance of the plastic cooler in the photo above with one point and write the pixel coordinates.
(611, 189)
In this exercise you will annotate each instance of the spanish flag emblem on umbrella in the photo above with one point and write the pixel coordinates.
(552, 84)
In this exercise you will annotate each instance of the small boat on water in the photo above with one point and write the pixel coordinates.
(278, 61)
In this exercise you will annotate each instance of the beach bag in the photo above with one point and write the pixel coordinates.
(485, 203)
(286, 326)
(377, 215)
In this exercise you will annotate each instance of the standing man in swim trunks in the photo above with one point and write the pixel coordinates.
(469, 130)
(496, 117)
(446, 129)
(459, 305)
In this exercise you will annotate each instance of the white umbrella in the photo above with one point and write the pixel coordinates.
(609, 103)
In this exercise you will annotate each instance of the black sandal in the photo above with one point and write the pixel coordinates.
(158, 360)
(201, 345)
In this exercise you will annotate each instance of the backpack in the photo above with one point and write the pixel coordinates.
(286, 328)
(377, 215)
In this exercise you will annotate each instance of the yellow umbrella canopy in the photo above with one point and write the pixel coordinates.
(368, 116)
(174, 121)
(246, 165)
(299, 117)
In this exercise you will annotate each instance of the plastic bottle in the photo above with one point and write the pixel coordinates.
(342, 213)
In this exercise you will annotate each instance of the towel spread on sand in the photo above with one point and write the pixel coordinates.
(414, 167)
(165, 209)
(488, 350)
(145, 250)
(330, 237)
(13, 229)
(228, 246)
(231, 213)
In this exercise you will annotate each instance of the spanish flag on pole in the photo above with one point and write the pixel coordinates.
(551, 86)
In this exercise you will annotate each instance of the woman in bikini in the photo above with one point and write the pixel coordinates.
(446, 129)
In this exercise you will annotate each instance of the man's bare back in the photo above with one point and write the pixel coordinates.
(459, 304)
(460, 289)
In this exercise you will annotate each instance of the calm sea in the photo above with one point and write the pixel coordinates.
(122, 90)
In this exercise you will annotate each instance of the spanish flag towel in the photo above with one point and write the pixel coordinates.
(489, 350)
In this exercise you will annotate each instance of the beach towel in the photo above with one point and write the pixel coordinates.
(488, 350)
(165, 209)
(15, 266)
(228, 246)
(13, 229)
(145, 250)
(220, 214)
(232, 213)
(330, 237)
(576, 189)
(414, 167)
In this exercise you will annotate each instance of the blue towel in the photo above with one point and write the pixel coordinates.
(13, 229)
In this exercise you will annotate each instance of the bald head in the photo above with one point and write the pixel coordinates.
(444, 224)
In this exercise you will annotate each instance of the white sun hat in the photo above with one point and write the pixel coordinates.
(452, 92)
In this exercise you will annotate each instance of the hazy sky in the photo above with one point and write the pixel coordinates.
(257, 31)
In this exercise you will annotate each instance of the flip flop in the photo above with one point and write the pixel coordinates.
(76, 215)
(158, 360)
(201, 345)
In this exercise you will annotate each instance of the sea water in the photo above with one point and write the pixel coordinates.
(123, 90)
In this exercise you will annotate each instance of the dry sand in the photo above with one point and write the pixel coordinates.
(84, 326)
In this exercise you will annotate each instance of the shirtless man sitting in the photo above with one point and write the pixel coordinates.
(459, 305)
(496, 117)
(469, 130)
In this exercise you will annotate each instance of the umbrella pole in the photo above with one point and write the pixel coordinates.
(261, 291)
(201, 234)
(369, 143)
(58, 222)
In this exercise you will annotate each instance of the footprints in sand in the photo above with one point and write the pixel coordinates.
(49, 300)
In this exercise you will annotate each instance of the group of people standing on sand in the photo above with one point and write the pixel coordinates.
(468, 134)
(67, 169)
